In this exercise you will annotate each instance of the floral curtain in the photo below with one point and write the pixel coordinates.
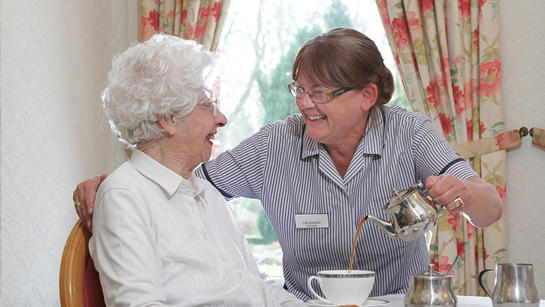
(448, 56)
(199, 20)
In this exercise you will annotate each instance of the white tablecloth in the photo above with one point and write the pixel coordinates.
(476, 301)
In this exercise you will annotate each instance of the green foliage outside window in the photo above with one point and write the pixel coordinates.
(277, 102)
(265, 228)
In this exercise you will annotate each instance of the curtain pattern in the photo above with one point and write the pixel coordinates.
(448, 56)
(198, 20)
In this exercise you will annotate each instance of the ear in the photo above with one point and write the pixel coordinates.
(369, 94)
(168, 124)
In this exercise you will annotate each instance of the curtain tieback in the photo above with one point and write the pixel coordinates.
(538, 136)
(502, 141)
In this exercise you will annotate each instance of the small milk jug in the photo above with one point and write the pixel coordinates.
(514, 285)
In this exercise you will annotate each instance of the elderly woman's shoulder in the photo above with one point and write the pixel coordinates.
(123, 177)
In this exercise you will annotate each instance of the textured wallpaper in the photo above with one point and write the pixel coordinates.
(522, 38)
(54, 59)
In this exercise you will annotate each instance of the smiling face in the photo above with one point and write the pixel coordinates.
(341, 58)
(338, 121)
(194, 133)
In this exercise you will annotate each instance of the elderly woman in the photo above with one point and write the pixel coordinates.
(320, 172)
(163, 237)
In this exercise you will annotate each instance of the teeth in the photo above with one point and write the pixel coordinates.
(316, 117)
(210, 137)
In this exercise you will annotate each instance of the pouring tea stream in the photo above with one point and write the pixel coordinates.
(411, 212)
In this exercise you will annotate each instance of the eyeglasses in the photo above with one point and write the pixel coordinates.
(210, 100)
(316, 96)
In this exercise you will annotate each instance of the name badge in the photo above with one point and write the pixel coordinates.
(311, 221)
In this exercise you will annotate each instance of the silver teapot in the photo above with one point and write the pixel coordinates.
(431, 288)
(411, 212)
(514, 285)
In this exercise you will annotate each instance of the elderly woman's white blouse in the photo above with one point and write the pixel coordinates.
(161, 240)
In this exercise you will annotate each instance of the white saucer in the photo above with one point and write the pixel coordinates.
(369, 302)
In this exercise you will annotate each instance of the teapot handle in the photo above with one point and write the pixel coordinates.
(438, 206)
(484, 283)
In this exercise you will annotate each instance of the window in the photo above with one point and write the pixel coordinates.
(261, 39)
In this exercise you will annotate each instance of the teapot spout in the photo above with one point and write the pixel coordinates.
(386, 227)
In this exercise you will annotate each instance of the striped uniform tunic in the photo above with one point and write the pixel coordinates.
(293, 175)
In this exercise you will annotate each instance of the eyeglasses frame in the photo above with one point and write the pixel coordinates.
(211, 99)
(329, 96)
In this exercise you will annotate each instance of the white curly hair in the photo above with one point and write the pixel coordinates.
(165, 75)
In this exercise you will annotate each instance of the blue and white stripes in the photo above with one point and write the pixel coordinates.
(293, 174)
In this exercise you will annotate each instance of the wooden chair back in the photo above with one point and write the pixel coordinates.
(79, 284)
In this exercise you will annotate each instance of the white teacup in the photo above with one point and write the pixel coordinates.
(341, 288)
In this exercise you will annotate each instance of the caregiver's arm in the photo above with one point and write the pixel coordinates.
(240, 172)
(482, 204)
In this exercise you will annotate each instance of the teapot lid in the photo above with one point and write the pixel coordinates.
(431, 274)
(399, 196)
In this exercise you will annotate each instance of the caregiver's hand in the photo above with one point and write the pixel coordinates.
(84, 199)
(480, 202)
(445, 189)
